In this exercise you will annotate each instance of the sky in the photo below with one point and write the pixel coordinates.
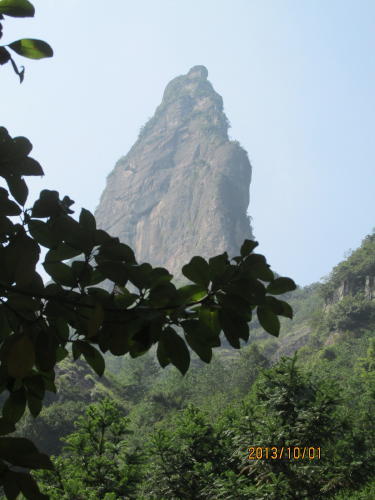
(297, 79)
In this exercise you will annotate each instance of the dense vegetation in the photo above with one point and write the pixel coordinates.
(188, 437)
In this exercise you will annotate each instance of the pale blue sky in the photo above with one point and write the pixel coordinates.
(297, 78)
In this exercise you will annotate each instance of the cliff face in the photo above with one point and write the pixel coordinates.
(183, 188)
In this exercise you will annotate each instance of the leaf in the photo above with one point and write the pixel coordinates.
(247, 247)
(203, 350)
(6, 427)
(268, 320)
(31, 48)
(8, 207)
(234, 328)
(34, 404)
(35, 386)
(82, 271)
(23, 166)
(281, 285)
(6, 226)
(73, 233)
(262, 271)
(209, 318)
(197, 339)
(47, 205)
(162, 295)
(115, 271)
(95, 321)
(45, 350)
(4, 56)
(62, 252)
(236, 304)
(197, 271)
(101, 237)
(114, 250)
(91, 355)
(18, 188)
(61, 273)
(87, 220)
(190, 293)
(162, 355)
(175, 349)
(14, 407)
(22, 147)
(140, 275)
(17, 8)
(217, 265)
(20, 357)
(287, 311)
(43, 233)
(11, 488)
(26, 253)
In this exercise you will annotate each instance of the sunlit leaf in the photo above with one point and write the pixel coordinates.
(17, 8)
(31, 48)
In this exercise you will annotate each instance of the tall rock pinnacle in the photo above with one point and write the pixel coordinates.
(183, 188)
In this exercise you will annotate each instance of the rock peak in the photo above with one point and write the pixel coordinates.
(183, 188)
(198, 72)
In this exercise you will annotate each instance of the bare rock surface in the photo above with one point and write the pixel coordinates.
(183, 188)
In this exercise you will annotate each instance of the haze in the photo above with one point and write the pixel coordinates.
(297, 79)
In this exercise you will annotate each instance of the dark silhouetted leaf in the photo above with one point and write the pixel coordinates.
(95, 321)
(114, 250)
(43, 233)
(47, 205)
(25, 483)
(175, 349)
(234, 328)
(91, 355)
(247, 247)
(6, 427)
(87, 220)
(115, 271)
(4, 56)
(62, 252)
(20, 357)
(268, 320)
(197, 271)
(34, 404)
(162, 295)
(14, 407)
(18, 188)
(61, 273)
(281, 285)
(8, 207)
(162, 355)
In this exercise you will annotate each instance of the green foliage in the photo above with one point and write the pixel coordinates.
(187, 458)
(195, 455)
(95, 461)
(354, 269)
(353, 311)
(26, 47)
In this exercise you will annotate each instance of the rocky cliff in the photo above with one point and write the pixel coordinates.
(183, 188)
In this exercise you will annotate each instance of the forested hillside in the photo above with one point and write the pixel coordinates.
(188, 437)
